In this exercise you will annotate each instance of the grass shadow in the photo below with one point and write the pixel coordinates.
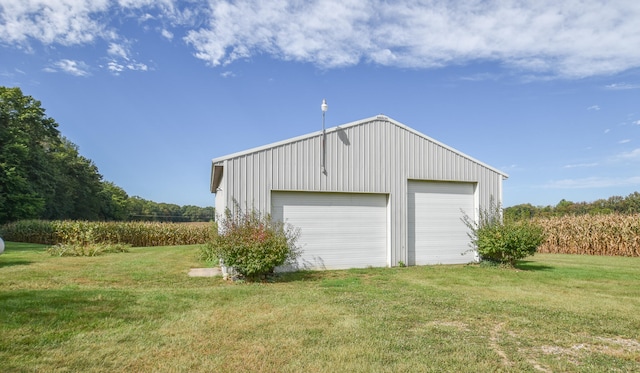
(24, 246)
(526, 265)
(12, 263)
(303, 275)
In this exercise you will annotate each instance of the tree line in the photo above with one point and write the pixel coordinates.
(43, 175)
(616, 204)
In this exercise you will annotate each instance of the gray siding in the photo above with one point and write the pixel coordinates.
(376, 155)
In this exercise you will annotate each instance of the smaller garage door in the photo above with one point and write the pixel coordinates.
(437, 234)
(337, 230)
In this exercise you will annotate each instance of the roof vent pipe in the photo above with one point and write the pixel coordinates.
(324, 108)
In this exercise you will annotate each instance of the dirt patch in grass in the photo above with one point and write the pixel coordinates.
(616, 347)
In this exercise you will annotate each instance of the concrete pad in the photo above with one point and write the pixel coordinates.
(204, 272)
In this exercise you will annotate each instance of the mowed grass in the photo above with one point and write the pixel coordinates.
(139, 311)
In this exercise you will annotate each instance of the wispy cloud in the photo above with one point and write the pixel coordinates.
(594, 107)
(118, 50)
(511, 167)
(167, 34)
(633, 155)
(121, 59)
(610, 161)
(122, 51)
(544, 38)
(11, 74)
(592, 182)
(77, 68)
(624, 141)
(227, 74)
(116, 68)
(622, 86)
(581, 165)
(481, 77)
(637, 122)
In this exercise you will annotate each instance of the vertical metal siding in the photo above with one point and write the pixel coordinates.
(377, 156)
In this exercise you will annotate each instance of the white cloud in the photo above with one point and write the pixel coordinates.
(512, 167)
(545, 38)
(622, 86)
(145, 17)
(581, 165)
(65, 22)
(167, 34)
(633, 155)
(607, 130)
(118, 50)
(13, 73)
(637, 122)
(593, 182)
(116, 67)
(121, 59)
(227, 74)
(480, 77)
(624, 141)
(137, 66)
(594, 107)
(77, 68)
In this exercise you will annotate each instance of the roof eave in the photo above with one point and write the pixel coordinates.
(216, 176)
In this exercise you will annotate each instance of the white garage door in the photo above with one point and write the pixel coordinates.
(437, 234)
(337, 230)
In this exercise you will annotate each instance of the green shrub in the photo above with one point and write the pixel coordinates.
(504, 243)
(508, 243)
(252, 244)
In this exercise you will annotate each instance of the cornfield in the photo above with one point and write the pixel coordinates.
(613, 234)
(136, 234)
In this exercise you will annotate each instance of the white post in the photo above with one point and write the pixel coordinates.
(324, 108)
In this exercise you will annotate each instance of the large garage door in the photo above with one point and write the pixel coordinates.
(437, 234)
(337, 230)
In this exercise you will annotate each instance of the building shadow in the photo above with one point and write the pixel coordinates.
(342, 135)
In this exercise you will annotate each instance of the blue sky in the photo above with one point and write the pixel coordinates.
(151, 91)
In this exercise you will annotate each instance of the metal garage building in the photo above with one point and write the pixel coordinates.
(376, 194)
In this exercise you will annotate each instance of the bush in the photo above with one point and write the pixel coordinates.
(508, 243)
(503, 243)
(252, 244)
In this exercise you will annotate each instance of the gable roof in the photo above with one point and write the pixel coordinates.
(216, 166)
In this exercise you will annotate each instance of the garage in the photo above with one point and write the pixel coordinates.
(337, 230)
(373, 192)
(436, 233)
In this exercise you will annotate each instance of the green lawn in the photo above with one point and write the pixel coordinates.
(139, 311)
